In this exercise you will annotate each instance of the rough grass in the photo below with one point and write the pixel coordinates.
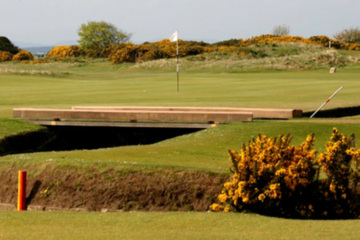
(277, 56)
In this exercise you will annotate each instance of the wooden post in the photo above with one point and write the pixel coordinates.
(21, 205)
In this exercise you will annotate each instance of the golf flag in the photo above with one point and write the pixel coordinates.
(174, 37)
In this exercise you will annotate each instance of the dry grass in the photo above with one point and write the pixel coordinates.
(28, 72)
(291, 56)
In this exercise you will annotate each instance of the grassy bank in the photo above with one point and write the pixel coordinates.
(204, 150)
(145, 177)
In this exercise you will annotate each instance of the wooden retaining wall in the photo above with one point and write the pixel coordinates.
(262, 113)
(133, 115)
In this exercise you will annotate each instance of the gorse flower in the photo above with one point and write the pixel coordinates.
(273, 177)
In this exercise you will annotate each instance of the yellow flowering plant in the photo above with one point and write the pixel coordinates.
(5, 56)
(64, 52)
(273, 177)
(23, 55)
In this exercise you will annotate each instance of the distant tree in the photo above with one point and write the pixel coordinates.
(350, 35)
(6, 45)
(280, 30)
(98, 35)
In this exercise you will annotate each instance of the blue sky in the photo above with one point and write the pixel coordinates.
(54, 22)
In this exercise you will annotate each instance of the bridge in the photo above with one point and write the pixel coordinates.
(160, 117)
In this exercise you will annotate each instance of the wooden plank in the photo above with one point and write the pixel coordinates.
(180, 116)
(266, 113)
(80, 123)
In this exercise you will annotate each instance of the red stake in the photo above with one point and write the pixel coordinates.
(21, 206)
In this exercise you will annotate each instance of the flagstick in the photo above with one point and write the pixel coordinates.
(328, 100)
(177, 63)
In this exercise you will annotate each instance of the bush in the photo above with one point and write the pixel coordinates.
(5, 56)
(324, 41)
(126, 52)
(62, 52)
(6, 45)
(281, 30)
(23, 55)
(151, 51)
(230, 42)
(272, 177)
(350, 35)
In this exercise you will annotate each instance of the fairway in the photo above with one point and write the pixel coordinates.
(102, 84)
(156, 225)
(172, 120)
(107, 85)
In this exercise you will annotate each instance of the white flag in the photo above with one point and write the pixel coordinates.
(174, 37)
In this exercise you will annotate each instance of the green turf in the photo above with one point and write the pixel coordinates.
(203, 150)
(100, 83)
(106, 84)
(139, 225)
(10, 127)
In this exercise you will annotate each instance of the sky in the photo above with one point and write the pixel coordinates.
(56, 22)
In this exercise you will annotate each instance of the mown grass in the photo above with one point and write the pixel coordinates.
(106, 84)
(10, 127)
(155, 225)
(100, 83)
(204, 150)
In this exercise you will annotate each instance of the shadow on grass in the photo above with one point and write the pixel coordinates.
(336, 112)
(73, 138)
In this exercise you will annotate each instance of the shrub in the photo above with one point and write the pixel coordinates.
(272, 177)
(23, 55)
(5, 56)
(61, 52)
(281, 30)
(324, 41)
(230, 42)
(350, 35)
(6, 45)
(126, 53)
(152, 51)
(354, 46)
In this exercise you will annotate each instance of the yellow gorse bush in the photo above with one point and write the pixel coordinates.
(273, 177)
(130, 52)
(5, 56)
(62, 52)
(23, 55)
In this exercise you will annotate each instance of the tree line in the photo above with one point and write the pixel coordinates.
(105, 40)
